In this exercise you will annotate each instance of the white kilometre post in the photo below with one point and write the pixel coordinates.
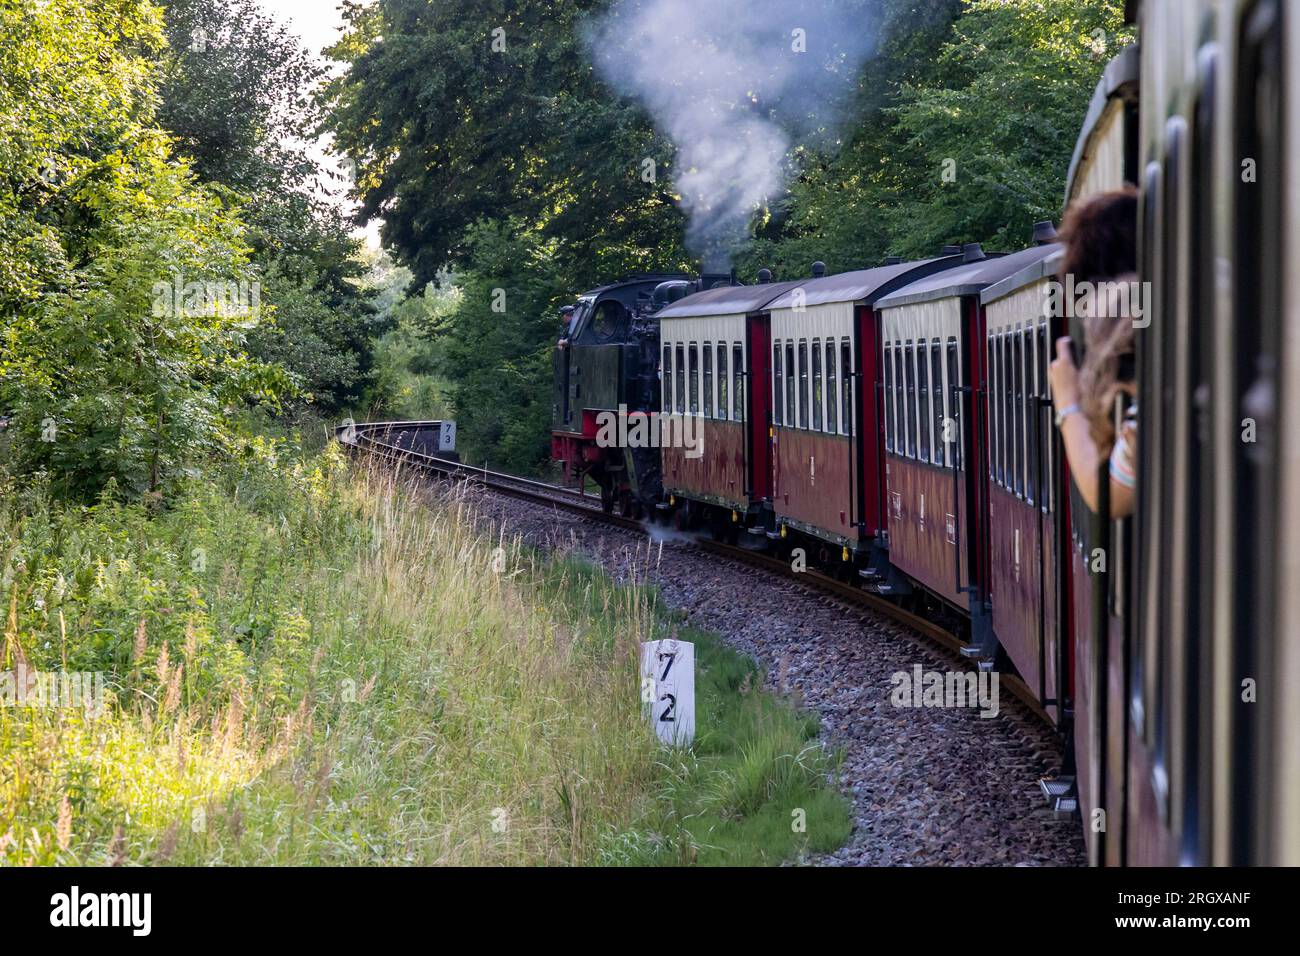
(668, 689)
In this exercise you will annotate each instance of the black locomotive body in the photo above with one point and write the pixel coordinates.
(605, 366)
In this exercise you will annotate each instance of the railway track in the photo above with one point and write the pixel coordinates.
(392, 442)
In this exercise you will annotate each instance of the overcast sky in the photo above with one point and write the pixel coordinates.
(318, 23)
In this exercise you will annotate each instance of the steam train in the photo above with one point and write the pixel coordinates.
(897, 423)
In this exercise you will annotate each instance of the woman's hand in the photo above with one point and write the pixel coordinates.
(1064, 375)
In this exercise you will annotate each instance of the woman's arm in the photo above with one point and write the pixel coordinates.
(1080, 450)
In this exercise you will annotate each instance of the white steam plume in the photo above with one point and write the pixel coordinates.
(735, 84)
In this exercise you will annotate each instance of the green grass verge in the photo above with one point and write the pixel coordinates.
(304, 665)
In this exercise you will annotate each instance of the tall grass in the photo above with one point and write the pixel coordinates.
(307, 664)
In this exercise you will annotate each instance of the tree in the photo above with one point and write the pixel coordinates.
(490, 110)
(237, 92)
(1002, 112)
(121, 346)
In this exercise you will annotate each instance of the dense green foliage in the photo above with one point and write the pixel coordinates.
(236, 92)
(518, 169)
(124, 281)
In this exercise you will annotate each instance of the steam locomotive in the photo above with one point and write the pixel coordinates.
(897, 423)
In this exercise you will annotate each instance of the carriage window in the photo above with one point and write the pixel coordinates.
(923, 398)
(803, 384)
(817, 396)
(708, 379)
(679, 378)
(666, 378)
(942, 432)
(846, 385)
(737, 382)
(723, 406)
(909, 372)
(1018, 410)
(778, 385)
(889, 397)
(694, 373)
(1045, 444)
(992, 410)
(791, 383)
(900, 424)
(832, 392)
(1031, 414)
(954, 408)
(1008, 426)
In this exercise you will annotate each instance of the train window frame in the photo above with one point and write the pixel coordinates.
(900, 440)
(1041, 345)
(722, 370)
(791, 385)
(909, 395)
(1000, 425)
(803, 384)
(939, 447)
(817, 393)
(1017, 410)
(1008, 424)
(832, 388)
(995, 408)
(738, 381)
(679, 377)
(693, 376)
(847, 387)
(706, 370)
(888, 382)
(991, 387)
(1032, 425)
(778, 383)
(666, 380)
(923, 400)
(952, 391)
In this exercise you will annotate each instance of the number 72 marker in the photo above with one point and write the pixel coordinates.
(668, 682)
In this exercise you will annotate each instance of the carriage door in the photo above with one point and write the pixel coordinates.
(758, 411)
(975, 449)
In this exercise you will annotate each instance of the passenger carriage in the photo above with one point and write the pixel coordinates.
(937, 407)
(826, 431)
(712, 345)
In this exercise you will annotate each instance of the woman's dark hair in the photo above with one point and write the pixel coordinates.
(1100, 236)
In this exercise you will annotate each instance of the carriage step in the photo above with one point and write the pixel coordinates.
(1061, 793)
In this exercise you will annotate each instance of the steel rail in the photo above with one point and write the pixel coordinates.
(578, 502)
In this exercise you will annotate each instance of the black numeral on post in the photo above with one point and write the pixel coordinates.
(667, 716)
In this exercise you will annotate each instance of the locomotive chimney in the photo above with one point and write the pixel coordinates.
(893, 260)
(951, 251)
(764, 276)
(971, 252)
(818, 269)
(1044, 233)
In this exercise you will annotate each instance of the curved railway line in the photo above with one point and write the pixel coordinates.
(398, 442)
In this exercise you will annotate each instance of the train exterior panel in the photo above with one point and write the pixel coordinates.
(1024, 478)
(814, 487)
(945, 430)
(812, 389)
(707, 369)
(827, 431)
(704, 362)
